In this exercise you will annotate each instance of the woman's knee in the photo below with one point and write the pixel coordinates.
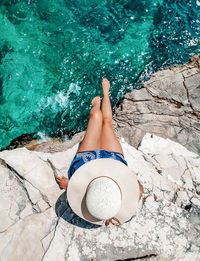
(96, 114)
(107, 121)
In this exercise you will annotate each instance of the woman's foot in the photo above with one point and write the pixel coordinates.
(63, 182)
(96, 102)
(105, 86)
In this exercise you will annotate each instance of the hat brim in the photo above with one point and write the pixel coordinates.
(126, 179)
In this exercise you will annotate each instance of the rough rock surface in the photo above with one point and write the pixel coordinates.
(167, 105)
(36, 222)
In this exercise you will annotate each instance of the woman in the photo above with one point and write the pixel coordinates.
(100, 142)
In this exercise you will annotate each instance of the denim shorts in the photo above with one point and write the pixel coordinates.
(86, 156)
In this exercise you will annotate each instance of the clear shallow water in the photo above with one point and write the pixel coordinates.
(54, 53)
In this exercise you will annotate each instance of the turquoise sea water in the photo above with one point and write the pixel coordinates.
(54, 53)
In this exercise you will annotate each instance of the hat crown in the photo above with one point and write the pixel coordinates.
(103, 198)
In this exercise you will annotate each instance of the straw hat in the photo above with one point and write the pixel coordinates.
(103, 191)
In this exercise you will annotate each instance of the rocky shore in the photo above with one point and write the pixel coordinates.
(159, 129)
(167, 105)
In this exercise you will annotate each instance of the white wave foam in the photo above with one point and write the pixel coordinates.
(61, 99)
(43, 137)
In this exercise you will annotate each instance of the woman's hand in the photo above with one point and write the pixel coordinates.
(63, 182)
(141, 189)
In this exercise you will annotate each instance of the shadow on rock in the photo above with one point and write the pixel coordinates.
(64, 211)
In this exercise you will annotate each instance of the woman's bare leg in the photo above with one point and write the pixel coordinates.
(92, 138)
(109, 140)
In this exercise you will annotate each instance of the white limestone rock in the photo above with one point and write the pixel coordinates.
(14, 204)
(35, 214)
(22, 241)
(37, 176)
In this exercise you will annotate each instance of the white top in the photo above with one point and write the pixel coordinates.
(103, 198)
